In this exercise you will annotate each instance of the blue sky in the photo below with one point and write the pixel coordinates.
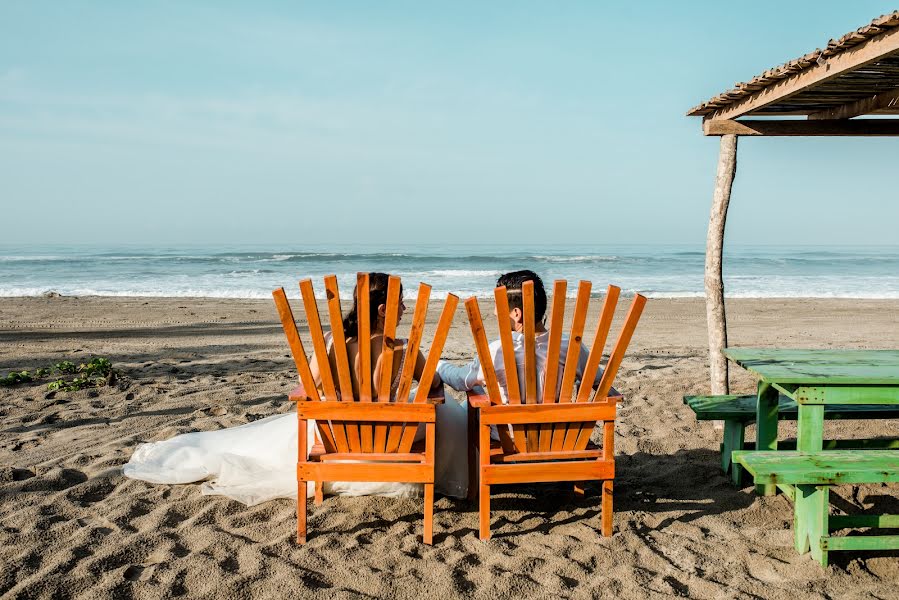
(462, 122)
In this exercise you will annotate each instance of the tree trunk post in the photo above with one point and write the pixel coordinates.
(714, 283)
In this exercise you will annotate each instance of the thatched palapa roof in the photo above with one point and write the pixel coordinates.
(851, 69)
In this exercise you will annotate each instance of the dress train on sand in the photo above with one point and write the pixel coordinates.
(256, 462)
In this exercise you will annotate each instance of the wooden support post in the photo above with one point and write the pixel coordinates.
(734, 436)
(714, 284)
(810, 520)
(766, 420)
(810, 435)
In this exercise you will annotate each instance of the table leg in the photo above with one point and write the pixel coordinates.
(766, 427)
(810, 434)
(810, 520)
(734, 432)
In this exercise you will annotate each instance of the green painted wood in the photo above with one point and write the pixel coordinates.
(869, 444)
(732, 407)
(810, 432)
(766, 419)
(787, 389)
(741, 408)
(848, 395)
(788, 490)
(810, 513)
(852, 521)
(800, 521)
(861, 542)
(860, 367)
(827, 467)
(734, 434)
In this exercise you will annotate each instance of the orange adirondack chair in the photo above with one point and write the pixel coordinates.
(549, 441)
(361, 423)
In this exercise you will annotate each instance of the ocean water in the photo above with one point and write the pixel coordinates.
(254, 271)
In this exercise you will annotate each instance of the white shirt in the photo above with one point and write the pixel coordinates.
(470, 376)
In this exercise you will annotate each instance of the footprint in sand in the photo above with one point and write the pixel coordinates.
(654, 367)
(139, 572)
(51, 419)
(92, 491)
(16, 474)
(99, 524)
(54, 480)
(25, 444)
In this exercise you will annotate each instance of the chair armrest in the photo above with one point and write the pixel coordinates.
(478, 400)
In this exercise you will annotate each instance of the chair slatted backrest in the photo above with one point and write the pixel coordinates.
(557, 387)
(375, 374)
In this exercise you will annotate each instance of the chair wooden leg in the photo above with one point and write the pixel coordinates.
(485, 512)
(580, 488)
(428, 535)
(484, 490)
(319, 493)
(607, 488)
(302, 459)
(301, 512)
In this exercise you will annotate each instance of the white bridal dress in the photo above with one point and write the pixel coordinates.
(256, 462)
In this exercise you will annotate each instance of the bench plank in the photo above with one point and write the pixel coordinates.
(741, 408)
(821, 468)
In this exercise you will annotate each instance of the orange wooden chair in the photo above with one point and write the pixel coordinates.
(549, 441)
(359, 423)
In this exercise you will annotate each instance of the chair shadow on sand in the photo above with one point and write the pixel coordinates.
(687, 481)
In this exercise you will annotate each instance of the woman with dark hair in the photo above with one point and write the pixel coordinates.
(256, 462)
(451, 468)
(377, 302)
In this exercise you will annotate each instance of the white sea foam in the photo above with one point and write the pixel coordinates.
(658, 272)
(576, 259)
(462, 273)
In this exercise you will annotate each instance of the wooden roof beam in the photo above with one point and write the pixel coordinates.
(864, 106)
(848, 60)
(798, 127)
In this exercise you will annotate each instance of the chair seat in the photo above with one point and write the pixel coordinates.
(318, 454)
(498, 456)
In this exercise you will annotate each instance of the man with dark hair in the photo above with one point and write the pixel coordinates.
(471, 376)
(513, 282)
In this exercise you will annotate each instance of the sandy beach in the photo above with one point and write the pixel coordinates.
(72, 526)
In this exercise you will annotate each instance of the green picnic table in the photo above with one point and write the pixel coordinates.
(814, 379)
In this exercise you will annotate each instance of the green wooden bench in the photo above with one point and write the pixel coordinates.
(737, 411)
(811, 474)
